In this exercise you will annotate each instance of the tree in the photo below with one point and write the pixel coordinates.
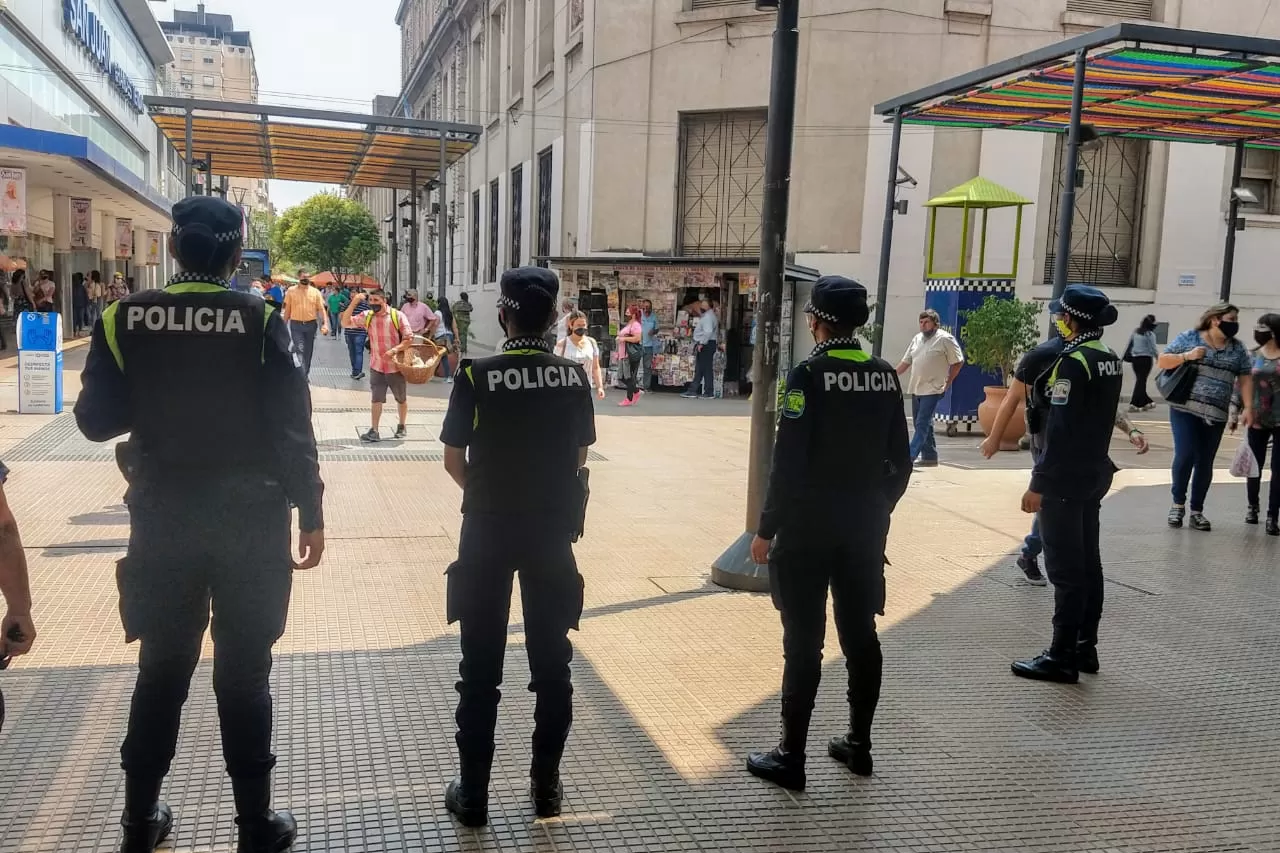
(262, 224)
(998, 333)
(326, 232)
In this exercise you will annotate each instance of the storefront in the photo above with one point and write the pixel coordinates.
(603, 288)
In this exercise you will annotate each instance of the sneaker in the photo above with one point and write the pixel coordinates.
(1031, 569)
(625, 403)
(927, 463)
(1133, 409)
(449, 381)
(1176, 514)
(401, 432)
(359, 376)
(689, 395)
(1199, 522)
(371, 436)
(1251, 515)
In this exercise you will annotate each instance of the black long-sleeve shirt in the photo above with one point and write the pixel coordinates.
(841, 446)
(205, 382)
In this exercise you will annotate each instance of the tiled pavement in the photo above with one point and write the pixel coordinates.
(1174, 747)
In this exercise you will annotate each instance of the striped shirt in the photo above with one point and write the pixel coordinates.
(385, 333)
(1216, 375)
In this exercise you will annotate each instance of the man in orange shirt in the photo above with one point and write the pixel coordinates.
(304, 311)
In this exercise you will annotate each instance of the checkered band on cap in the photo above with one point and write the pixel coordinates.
(221, 237)
(507, 302)
(821, 315)
(1075, 312)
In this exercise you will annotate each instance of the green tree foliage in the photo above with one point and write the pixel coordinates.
(261, 225)
(999, 332)
(326, 232)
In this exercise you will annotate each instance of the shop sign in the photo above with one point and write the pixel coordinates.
(13, 201)
(81, 223)
(85, 27)
(124, 238)
(153, 248)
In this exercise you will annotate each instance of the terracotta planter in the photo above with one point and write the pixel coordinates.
(988, 409)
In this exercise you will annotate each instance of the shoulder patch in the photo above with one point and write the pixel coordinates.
(1060, 393)
(793, 404)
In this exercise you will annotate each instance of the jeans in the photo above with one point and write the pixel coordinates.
(355, 349)
(1033, 545)
(1258, 439)
(1195, 444)
(646, 367)
(632, 372)
(704, 373)
(446, 340)
(335, 325)
(304, 340)
(1073, 562)
(923, 444)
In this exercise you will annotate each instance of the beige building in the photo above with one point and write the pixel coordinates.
(213, 61)
(635, 127)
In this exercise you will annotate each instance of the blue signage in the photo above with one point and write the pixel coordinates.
(84, 25)
(39, 363)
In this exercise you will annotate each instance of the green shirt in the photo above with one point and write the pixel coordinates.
(335, 301)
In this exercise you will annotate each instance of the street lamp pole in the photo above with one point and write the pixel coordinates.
(735, 569)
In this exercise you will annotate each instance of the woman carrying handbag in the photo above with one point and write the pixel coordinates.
(629, 354)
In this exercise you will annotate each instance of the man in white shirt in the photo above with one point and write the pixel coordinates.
(706, 342)
(934, 359)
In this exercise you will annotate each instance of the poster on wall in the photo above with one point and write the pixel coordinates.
(124, 238)
(153, 248)
(81, 223)
(13, 201)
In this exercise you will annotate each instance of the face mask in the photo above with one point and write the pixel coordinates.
(1229, 329)
(410, 300)
(1064, 331)
(1263, 338)
(930, 333)
(579, 332)
(375, 308)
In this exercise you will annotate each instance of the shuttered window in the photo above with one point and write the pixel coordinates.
(721, 183)
(1140, 9)
(711, 4)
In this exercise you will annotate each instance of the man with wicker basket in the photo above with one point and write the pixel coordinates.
(389, 334)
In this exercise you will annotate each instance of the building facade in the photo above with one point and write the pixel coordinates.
(86, 172)
(636, 127)
(214, 61)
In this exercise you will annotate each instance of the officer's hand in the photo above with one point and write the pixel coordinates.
(760, 551)
(990, 446)
(17, 633)
(310, 549)
(1030, 502)
(1139, 441)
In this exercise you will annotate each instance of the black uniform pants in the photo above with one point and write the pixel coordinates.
(799, 576)
(1071, 531)
(304, 340)
(491, 550)
(185, 557)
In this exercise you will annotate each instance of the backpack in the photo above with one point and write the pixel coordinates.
(395, 318)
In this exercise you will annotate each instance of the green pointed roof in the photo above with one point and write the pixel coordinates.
(979, 193)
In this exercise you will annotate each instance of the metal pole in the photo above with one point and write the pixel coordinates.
(1233, 217)
(442, 266)
(413, 229)
(1067, 203)
(395, 245)
(190, 141)
(735, 568)
(886, 233)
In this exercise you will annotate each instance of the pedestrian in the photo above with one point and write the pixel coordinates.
(97, 297)
(422, 320)
(934, 358)
(274, 292)
(355, 333)
(44, 293)
(629, 354)
(116, 290)
(307, 316)
(1034, 366)
(840, 465)
(516, 436)
(180, 370)
(1265, 428)
(562, 322)
(1079, 397)
(584, 351)
(445, 335)
(705, 344)
(389, 333)
(1220, 361)
(1141, 355)
(334, 303)
(462, 320)
(649, 344)
(79, 303)
(20, 289)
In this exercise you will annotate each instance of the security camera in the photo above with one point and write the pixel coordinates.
(904, 177)
(1244, 195)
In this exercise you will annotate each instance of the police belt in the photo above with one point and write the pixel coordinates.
(144, 469)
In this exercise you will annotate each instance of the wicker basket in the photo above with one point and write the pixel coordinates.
(419, 374)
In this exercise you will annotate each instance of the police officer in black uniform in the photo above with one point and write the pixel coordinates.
(516, 436)
(219, 415)
(840, 464)
(1078, 396)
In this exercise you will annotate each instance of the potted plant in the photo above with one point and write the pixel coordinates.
(995, 336)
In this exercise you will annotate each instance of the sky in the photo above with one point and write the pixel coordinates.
(322, 54)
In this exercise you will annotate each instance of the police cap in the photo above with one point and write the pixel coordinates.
(838, 300)
(529, 291)
(1088, 305)
(206, 232)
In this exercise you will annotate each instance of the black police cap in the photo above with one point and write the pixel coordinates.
(222, 220)
(529, 289)
(1087, 304)
(838, 300)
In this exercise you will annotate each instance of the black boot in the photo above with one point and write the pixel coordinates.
(261, 829)
(144, 835)
(1273, 526)
(547, 793)
(851, 753)
(1087, 657)
(1049, 666)
(1251, 515)
(470, 804)
(785, 769)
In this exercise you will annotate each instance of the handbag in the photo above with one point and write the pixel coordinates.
(1175, 384)
(634, 351)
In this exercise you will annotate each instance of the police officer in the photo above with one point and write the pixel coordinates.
(1078, 396)
(516, 436)
(840, 464)
(196, 373)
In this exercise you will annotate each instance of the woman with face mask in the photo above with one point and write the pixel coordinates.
(581, 348)
(1265, 428)
(1198, 424)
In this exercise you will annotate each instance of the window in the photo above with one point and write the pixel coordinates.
(473, 82)
(493, 230)
(1108, 216)
(517, 203)
(721, 183)
(546, 167)
(576, 15)
(709, 4)
(208, 60)
(208, 80)
(475, 237)
(187, 79)
(1140, 9)
(494, 48)
(546, 34)
(515, 45)
(1259, 175)
(186, 56)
